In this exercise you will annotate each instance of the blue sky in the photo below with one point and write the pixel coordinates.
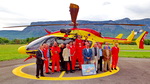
(23, 12)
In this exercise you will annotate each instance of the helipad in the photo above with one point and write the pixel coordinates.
(18, 71)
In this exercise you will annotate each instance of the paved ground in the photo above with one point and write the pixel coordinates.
(132, 71)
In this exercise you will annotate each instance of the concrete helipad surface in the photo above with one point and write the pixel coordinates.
(132, 71)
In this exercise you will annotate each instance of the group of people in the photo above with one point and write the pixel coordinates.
(75, 53)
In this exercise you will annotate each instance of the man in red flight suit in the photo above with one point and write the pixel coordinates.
(79, 54)
(46, 56)
(115, 52)
(55, 57)
(72, 52)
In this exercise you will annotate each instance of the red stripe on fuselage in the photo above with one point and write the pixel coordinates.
(88, 30)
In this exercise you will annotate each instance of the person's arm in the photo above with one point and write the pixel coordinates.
(63, 54)
(58, 50)
(90, 53)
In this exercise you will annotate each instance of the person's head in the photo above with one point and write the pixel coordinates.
(79, 37)
(116, 44)
(86, 37)
(71, 43)
(62, 45)
(55, 44)
(41, 47)
(74, 43)
(87, 45)
(45, 45)
(100, 45)
(106, 43)
(95, 45)
(67, 45)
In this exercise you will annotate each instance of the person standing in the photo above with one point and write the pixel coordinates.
(107, 45)
(73, 54)
(46, 56)
(79, 55)
(107, 58)
(115, 52)
(62, 64)
(101, 56)
(55, 57)
(39, 62)
(67, 59)
(95, 56)
(87, 53)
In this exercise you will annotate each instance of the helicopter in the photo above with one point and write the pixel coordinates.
(67, 35)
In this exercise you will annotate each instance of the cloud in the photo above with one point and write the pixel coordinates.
(23, 12)
(106, 3)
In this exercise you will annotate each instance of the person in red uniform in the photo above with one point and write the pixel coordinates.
(79, 55)
(46, 56)
(115, 52)
(73, 56)
(55, 57)
(79, 40)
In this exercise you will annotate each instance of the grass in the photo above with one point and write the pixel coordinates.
(135, 54)
(9, 52)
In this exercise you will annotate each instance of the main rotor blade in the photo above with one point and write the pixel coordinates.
(74, 12)
(37, 25)
(113, 24)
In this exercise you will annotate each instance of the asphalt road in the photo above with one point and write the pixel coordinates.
(132, 71)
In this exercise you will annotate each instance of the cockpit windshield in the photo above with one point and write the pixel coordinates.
(34, 45)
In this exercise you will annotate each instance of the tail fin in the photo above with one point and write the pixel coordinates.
(131, 36)
(140, 40)
(119, 36)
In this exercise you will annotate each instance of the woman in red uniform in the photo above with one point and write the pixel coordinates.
(46, 56)
(55, 57)
(115, 52)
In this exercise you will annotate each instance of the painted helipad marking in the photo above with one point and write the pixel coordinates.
(62, 74)
(18, 71)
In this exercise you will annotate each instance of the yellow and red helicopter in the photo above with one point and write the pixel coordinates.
(67, 35)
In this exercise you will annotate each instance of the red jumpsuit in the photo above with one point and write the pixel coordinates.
(46, 61)
(79, 55)
(79, 41)
(73, 58)
(55, 58)
(115, 52)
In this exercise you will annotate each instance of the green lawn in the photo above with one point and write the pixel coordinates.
(9, 52)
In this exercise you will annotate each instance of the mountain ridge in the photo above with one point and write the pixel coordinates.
(106, 30)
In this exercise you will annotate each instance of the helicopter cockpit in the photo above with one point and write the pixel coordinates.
(34, 45)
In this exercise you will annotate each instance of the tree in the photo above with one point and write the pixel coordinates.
(4, 40)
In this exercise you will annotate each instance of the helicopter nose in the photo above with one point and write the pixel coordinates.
(22, 49)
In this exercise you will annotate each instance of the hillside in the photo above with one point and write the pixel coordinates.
(106, 30)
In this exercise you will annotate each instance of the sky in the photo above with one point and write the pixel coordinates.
(23, 12)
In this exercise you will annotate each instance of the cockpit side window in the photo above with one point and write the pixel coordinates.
(60, 40)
